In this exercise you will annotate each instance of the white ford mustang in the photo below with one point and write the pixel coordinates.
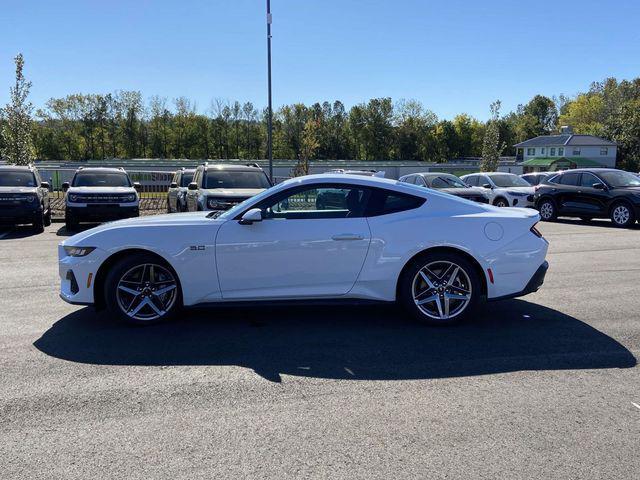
(320, 237)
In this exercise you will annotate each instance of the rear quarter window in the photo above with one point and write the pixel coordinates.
(385, 202)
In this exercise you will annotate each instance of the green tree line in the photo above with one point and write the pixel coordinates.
(123, 124)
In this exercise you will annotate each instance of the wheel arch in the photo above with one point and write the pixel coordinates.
(103, 270)
(617, 201)
(446, 249)
(500, 197)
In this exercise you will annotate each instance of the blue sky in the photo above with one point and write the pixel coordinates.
(454, 56)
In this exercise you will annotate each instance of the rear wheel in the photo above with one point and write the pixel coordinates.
(548, 211)
(142, 289)
(622, 215)
(440, 288)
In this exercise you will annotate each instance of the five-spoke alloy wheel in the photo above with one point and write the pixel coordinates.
(141, 289)
(440, 289)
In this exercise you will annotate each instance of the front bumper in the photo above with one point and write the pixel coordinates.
(527, 202)
(101, 212)
(533, 285)
(21, 213)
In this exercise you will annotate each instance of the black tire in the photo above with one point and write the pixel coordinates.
(38, 223)
(47, 218)
(70, 224)
(548, 210)
(501, 202)
(123, 268)
(412, 276)
(622, 215)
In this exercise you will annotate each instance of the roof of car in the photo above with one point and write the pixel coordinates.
(235, 168)
(590, 170)
(17, 168)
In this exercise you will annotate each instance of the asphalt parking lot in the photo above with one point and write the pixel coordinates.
(545, 386)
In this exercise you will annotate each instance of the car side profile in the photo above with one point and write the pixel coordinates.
(591, 193)
(437, 255)
(100, 194)
(447, 183)
(503, 189)
(24, 197)
(177, 194)
(219, 187)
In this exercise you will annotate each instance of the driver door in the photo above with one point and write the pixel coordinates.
(312, 242)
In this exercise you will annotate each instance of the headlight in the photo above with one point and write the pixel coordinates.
(30, 198)
(78, 251)
(517, 194)
(73, 198)
(215, 204)
(130, 198)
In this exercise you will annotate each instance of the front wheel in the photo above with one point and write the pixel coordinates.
(440, 288)
(38, 223)
(501, 202)
(548, 211)
(141, 289)
(622, 215)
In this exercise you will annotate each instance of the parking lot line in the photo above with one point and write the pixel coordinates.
(635, 405)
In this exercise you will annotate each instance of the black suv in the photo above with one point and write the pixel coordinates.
(220, 187)
(98, 194)
(24, 197)
(590, 193)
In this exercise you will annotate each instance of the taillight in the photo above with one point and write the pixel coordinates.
(536, 232)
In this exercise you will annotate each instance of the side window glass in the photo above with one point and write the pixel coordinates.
(420, 181)
(570, 179)
(320, 203)
(588, 180)
(439, 183)
(384, 202)
(472, 180)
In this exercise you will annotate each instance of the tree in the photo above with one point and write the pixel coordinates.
(491, 147)
(16, 130)
(308, 149)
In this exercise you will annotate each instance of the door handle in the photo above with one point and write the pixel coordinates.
(347, 236)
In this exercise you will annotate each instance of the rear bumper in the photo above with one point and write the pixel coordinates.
(533, 285)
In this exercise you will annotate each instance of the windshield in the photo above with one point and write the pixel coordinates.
(187, 178)
(620, 179)
(229, 179)
(17, 179)
(509, 180)
(448, 181)
(99, 179)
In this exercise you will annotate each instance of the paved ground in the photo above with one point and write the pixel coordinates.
(542, 387)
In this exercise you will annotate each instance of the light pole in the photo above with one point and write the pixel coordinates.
(270, 113)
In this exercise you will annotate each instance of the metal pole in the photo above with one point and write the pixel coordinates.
(270, 113)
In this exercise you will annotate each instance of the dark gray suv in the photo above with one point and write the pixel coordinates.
(24, 197)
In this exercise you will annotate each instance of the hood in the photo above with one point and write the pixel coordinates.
(233, 192)
(95, 190)
(168, 220)
(18, 189)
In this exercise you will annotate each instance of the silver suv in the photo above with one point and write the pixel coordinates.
(24, 197)
(220, 187)
(100, 194)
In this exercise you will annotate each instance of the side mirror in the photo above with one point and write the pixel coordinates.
(44, 185)
(137, 186)
(193, 186)
(65, 186)
(251, 216)
(486, 185)
(173, 185)
(599, 186)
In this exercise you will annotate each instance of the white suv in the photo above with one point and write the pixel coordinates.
(503, 189)
(100, 194)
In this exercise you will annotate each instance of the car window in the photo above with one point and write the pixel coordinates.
(588, 179)
(570, 179)
(17, 179)
(447, 181)
(101, 179)
(506, 180)
(419, 180)
(472, 180)
(239, 179)
(384, 202)
(483, 180)
(531, 179)
(186, 179)
(407, 179)
(318, 202)
(620, 178)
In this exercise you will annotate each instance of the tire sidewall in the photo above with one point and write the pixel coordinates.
(554, 211)
(405, 287)
(115, 274)
(631, 219)
(502, 201)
